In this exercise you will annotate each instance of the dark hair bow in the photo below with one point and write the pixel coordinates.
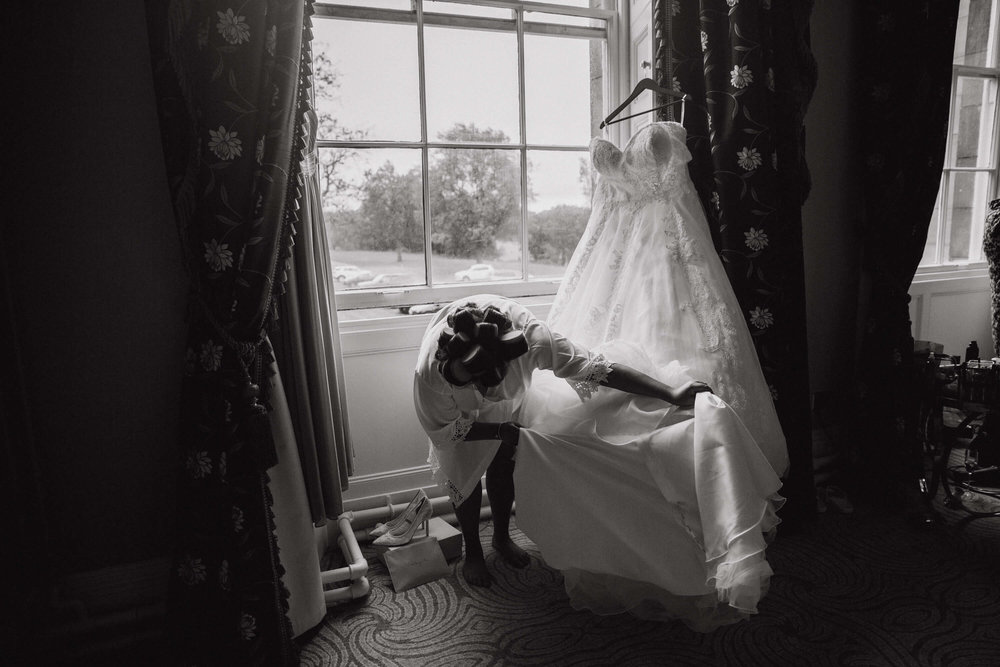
(484, 342)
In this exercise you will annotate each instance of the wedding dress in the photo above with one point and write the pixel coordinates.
(645, 507)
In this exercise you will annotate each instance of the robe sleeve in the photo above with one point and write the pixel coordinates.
(583, 369)
(439, 415)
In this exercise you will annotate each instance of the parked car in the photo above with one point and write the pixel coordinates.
(476, 272)
(350, 274)
(388, 279)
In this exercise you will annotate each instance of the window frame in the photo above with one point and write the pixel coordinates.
(616, 67)
(976, 264)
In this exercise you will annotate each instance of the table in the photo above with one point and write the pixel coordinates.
(960, 424)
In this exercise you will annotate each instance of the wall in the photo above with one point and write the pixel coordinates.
(953, 308)
(97, 283)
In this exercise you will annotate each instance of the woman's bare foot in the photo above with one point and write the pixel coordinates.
(475, 572)
(513, 554)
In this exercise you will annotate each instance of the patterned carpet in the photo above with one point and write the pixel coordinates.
(865, 589)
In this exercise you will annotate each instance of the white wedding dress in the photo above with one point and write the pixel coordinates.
(645, 507)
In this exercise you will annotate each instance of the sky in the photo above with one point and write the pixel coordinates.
(471, 78)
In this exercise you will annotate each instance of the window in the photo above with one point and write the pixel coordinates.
(969, 180)
(453, 143)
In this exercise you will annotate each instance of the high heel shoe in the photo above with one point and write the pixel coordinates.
(403, 533)
(383, 528)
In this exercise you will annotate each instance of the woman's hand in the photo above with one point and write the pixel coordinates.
(684, 395)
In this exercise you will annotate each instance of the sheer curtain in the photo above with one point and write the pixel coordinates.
(749, 70)
(308, 346)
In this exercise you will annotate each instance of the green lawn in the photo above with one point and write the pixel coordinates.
(444, 267)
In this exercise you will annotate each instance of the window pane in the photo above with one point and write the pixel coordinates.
(558, 208)
(378, 4)
(475, 197)
(562, 89)
(972, 37)
(367, 80)
(440, 7)
(562, 19)
(972, 139)
(929, 257)
(472, 90)
(374, 220)
(968, 197)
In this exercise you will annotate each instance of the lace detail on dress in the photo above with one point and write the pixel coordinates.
(597, 373)
(710, 311)
(569, 284)
(460, 429)
(708, 308)
(692, 533)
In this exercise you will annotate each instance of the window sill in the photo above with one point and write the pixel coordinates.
(930, 274)
(392, 320)
(381, 303)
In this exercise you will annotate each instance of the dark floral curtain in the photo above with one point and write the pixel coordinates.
(748, 68)
(907, 49)
(231, 90)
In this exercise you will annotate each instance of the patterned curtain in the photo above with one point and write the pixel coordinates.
(748, 67)
(231, 90)
(907, 49)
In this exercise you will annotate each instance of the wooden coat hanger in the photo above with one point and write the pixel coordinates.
(643, 85)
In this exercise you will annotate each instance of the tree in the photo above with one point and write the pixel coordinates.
(342, 228)
(475, 194)
(335, 188)
(390, 211)
(554, 233)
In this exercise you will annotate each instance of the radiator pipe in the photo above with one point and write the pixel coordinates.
(354, 571)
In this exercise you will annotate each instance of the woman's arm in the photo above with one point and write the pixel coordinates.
(485, 431)
(507, 433)
(626, 378)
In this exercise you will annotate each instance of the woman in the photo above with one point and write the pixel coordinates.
(476, 362)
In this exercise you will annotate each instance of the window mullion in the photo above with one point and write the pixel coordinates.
(944, 224)
(991, 49)
(976, 226)
(522, 121)
(425, 190)
(942, 249)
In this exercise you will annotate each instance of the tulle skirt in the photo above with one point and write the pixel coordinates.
(645, 507)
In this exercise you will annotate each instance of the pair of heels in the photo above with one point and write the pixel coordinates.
(399, 530)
